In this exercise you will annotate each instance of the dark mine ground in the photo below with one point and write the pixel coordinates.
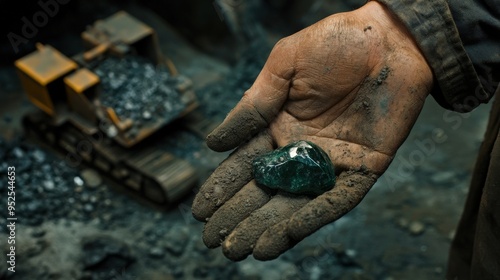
(75, 223)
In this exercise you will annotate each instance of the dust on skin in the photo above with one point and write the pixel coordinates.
(266, 211)
(239, 244)
(229, 177)
(250, 198)
(248, 123)
(382, 76)
(366, 110)
(350, 190)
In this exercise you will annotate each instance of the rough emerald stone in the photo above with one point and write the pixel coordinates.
(300, 167)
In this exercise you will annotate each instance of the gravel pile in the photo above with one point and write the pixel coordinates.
(47, 188)
(137, 90)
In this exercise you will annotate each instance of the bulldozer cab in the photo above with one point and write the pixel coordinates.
(42, 75)
(121, 34)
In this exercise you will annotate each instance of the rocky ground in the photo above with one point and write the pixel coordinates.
(74, 223)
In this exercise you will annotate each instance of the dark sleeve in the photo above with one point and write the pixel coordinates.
(460, 40)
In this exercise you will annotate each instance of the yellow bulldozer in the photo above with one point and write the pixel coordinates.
(70, 93)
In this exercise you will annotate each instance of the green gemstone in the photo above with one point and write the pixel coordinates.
(300, 167)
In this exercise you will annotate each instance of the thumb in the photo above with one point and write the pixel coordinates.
(260, 104)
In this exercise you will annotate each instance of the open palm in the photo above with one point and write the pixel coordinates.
(353, 84)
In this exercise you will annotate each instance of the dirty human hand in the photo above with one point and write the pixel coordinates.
(354, 84)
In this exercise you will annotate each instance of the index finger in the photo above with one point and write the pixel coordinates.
(259, 105)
